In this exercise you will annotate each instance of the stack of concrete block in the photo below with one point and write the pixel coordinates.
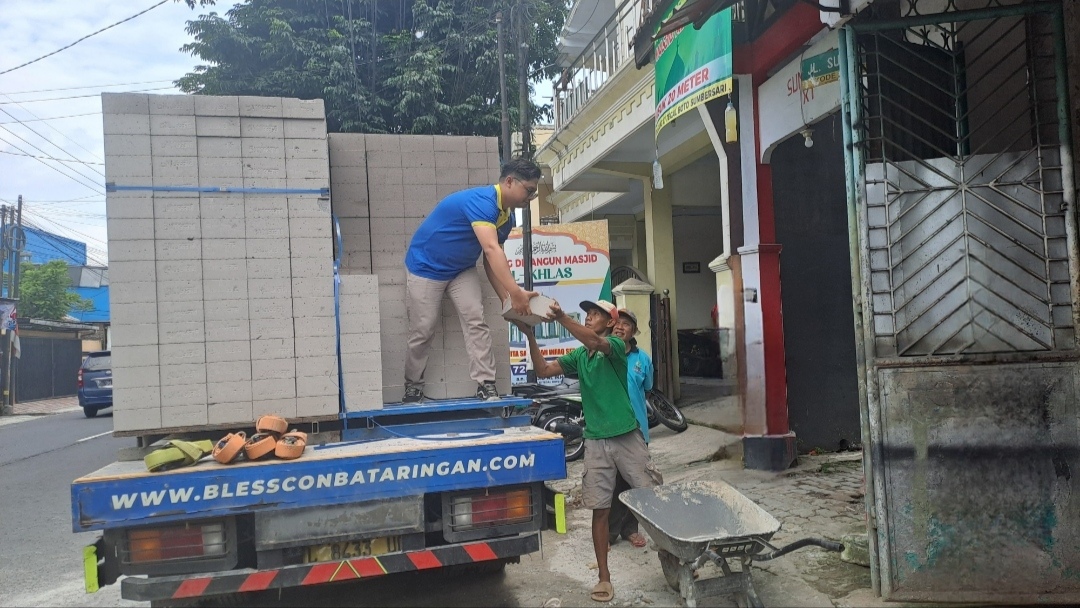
(361, 360)
(222, 302)
(383, 187)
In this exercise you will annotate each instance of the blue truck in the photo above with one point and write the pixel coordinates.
(405, 488)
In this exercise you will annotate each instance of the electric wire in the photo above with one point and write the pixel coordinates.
(50, 118)
(62, 134)
(4, 103)
(64, 48)
(94, 187)
(59, 160)
(89, 86)
(92, 178)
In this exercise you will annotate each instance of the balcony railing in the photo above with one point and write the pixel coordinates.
(609, 51)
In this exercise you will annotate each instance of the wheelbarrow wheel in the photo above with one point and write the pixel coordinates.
(748, 598)
(670, 565)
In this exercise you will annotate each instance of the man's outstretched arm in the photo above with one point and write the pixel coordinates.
(543, 368)
(498, 269)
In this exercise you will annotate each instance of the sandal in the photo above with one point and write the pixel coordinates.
(638, 540)
(177, 453)
(229, 447)
(260, 445)
(291, 445)
(603, 592)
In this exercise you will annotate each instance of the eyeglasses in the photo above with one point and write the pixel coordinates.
(530, 192)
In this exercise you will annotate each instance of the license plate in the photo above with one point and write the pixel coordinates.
(357, 548)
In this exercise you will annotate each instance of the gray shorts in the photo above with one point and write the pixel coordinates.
(605, 458)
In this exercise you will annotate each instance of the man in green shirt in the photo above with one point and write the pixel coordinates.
(613, 442)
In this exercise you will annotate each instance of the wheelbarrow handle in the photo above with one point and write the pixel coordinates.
(828, 545)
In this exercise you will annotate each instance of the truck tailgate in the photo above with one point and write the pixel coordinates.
(125, 493)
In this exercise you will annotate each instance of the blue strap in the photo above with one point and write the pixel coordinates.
(337, 314)
(322, 192)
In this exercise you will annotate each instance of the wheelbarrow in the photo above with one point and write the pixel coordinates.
(696, 522)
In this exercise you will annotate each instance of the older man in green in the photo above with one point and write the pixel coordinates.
(613, 442)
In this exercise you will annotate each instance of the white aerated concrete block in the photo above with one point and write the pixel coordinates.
(125, 418)
(220, 352)
(183, 353)
(174, 145)
(126, 124)
(165, 124)
(303, 108)
(260, 106)
(286, 408)
(263, 128)
(217, 126)
(184, 416)
(231, 412)
(125, 103)
(127, 145)
(176, 105)
(209, 105)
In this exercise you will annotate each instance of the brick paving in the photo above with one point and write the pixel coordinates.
(41, 407)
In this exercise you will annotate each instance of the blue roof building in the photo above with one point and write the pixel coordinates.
(90, 282)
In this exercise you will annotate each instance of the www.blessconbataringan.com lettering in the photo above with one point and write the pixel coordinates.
(303, 483)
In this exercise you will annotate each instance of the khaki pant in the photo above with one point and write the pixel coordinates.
(423, 304)
(605, 459)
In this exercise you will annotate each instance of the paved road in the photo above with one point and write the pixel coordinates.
(42, 558)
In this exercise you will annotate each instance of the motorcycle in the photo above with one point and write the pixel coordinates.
(557, 409)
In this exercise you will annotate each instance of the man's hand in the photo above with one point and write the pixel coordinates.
(555, 311)
(519, 301)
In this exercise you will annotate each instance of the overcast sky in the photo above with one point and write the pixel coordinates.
(142, 54)
(139, 55)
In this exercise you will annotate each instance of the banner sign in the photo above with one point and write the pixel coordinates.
(821, 69)
(692, 66)
(211, 489)
(571, 265)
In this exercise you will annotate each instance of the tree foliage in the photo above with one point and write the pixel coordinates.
(43, 292)
(405, 66)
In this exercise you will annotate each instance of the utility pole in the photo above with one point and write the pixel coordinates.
(524, 124)
(14, 237)
(506, 147)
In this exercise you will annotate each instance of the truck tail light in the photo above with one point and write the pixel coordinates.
(80, 383)
(491, 509)
(185, 542)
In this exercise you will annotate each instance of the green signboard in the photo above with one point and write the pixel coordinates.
(692, 66)
(821, 69)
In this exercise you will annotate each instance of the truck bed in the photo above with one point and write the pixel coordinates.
(125, 493)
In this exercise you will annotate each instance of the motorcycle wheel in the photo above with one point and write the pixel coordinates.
(669, 415)
(650, 415)
(574, 446)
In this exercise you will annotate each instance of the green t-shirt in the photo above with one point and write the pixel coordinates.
(604, 396)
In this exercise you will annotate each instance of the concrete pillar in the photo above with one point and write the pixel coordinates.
(659, 237)
(768, 442)
(636, 296)
(640, 252)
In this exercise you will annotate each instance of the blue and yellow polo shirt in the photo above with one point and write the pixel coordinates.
(445, 245)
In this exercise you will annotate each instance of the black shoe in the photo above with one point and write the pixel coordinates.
(487, 392)
(413, 394)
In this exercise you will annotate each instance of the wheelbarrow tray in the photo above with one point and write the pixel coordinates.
(687, 518)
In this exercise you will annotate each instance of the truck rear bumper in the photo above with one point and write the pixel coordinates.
(199, 585)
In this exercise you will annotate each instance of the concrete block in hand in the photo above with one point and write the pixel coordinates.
(538, 306)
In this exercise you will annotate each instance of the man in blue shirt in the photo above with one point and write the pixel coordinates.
(639, 379)
(441, 259)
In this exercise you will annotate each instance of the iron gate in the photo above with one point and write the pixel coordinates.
(662, 347)
(961, 203)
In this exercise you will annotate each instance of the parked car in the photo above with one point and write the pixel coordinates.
(95, 383)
